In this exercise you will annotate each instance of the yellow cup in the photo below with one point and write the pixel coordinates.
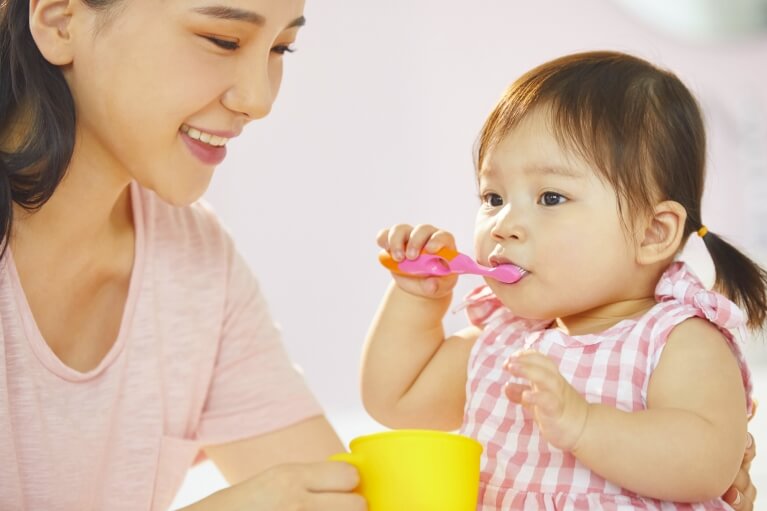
(416, 470)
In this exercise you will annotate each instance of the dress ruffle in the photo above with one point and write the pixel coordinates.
(480, 304)
(679, 283)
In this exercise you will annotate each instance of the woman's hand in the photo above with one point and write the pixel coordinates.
(742, 494)
(322, 486)
(558, 409)
(403, 241)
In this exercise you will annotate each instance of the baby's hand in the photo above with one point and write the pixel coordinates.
(404, 241)
(558, 409)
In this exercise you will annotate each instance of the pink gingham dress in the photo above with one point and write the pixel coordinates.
(520, 470)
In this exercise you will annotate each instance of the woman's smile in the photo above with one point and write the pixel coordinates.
(210, 149)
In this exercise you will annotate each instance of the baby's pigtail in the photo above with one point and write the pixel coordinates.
(738, 278)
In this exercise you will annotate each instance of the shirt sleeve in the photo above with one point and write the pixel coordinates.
(255, 388)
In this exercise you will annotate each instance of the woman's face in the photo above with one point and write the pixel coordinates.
(160, 86)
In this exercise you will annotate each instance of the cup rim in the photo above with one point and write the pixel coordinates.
(414, 433)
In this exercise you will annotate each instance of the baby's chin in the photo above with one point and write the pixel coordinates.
(521, 305)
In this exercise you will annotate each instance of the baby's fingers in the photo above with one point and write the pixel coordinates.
(428, 238)
(405, 241)
(537, 369)
(395, 240)
(514, 391)
(545, 401)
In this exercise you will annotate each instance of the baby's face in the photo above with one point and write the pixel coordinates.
(546, 209)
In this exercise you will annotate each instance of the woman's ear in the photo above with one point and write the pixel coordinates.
(49, 23)
(663, 235)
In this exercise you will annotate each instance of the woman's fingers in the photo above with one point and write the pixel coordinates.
(742, 494)
(327, 476)
(750, 452)
(740, 501)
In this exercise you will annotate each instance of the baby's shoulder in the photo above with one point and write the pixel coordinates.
(699, 335)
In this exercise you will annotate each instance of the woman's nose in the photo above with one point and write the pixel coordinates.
(508, 224)
(253, 91)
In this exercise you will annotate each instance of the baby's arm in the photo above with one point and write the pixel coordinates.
(412, 377)
(688, 444)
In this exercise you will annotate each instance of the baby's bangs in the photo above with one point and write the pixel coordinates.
(611, 140)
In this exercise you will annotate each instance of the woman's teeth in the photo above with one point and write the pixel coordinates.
(206, 138)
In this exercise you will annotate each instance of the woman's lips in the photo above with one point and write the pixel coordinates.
(206, 153)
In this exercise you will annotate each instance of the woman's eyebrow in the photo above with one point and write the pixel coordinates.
(234, 14)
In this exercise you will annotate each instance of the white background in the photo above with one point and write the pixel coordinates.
(375, 125)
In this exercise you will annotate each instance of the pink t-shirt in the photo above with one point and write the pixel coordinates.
(197, 361)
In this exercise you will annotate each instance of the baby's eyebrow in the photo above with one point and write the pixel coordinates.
(555, 170)
(224, 12)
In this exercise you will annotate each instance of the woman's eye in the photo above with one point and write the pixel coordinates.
(552, 199)
(282, 49)
(224, 44)
(492, 199)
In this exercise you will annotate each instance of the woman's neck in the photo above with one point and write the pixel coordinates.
(90, 209)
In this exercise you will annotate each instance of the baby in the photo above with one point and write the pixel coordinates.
(608, 377)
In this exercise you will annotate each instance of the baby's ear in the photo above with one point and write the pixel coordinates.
(49, 23)
(663, 233)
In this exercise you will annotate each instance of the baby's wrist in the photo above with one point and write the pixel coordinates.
(420, 297)
(579, 436)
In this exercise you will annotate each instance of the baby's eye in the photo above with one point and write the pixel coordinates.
(492, 199)
(551, 199)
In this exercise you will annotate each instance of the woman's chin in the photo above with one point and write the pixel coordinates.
(181, 196)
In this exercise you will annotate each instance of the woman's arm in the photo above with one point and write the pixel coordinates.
(285, 469)
(310, 440)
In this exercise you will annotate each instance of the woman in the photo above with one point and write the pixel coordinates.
(133, 334)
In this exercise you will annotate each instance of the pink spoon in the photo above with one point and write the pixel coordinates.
(446, 262)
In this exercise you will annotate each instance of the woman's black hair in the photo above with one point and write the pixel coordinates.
(37, 117)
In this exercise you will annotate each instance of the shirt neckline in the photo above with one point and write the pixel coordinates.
(37, 342)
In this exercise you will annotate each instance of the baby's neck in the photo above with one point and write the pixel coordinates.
(601, 318)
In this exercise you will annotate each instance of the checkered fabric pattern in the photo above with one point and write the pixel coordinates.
(520, 470)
